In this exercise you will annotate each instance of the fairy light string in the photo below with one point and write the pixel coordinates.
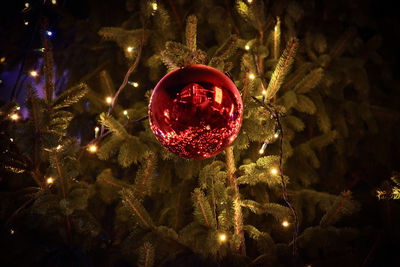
(284, 191)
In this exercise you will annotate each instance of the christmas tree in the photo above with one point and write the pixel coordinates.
(309, 180)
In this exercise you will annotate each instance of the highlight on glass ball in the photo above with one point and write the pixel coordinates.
(195, 111)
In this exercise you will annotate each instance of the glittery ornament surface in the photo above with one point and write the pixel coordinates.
(196, 111)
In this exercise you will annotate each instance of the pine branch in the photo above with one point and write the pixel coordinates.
(282, 68)
(230, 162)
(146, 255)
(309, 82)
(144, 179)
(35, 120)
(70, 96)
(191, 32)
(297, 75)
(48, 63)
(176, 14)
(113, 125)
(202, 210)
(60, 177)
(130, 201)
(277, 37)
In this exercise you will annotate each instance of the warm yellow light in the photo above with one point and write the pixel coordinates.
(135, 84)
(2, 59)
(11, 139)
(129, 49)
(249, 1)
(285, 223)
(264, 92)
(92, 148)
(54, 2)
(247, 47)
(261, 151)
(50, 180)
(26, 4)
(155, 6)
(26, 23)
(251, 76)
(14, 116)
(109, 100)
(58, 147)
(97, 129)
(274, 171)
(222, 237)
(125, 112)
(33, 73)
(276, 28)
(276, 135)
(12, 231)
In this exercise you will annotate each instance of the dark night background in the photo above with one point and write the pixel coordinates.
(79, 50)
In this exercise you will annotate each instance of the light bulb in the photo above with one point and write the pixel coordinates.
(92, 148)
(97, 129)
(2, 59)
(263, 147)
(264, 92)
(276, 135)
(50, 180)
(54, 2)
(247, 47)
(27, 5)
(58, 147)
(109, 100)
(274, 171)
(135, 84)
(222, 237)
(33, 73)
(49, 33)
(26, 22)
(285, 223)
(251, 76)
(154, 6)
(125, 112)
(14, 116)
(249, 1)
(129, 49)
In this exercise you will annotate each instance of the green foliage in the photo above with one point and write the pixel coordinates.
(278, 211)
(136, 209)
(70, 96)
(202, 209)
(224, 52)
(191, 32)
(146, 255)
(140, 203)
(343, 205)
(305, 104)
(282, 68)
(260, 172)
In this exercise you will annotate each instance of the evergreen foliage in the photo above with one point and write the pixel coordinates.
(116, 197)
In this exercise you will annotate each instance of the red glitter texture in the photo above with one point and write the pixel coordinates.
(196, 111)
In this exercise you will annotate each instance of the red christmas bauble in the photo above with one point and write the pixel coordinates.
(195, 111)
